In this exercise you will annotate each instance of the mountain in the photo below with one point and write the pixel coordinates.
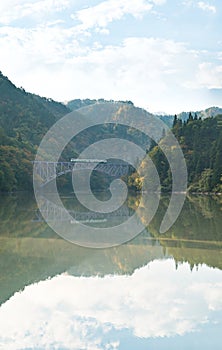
(26, 117)
(24, 120)
(201, 142)
(78, 103)
(207, 113)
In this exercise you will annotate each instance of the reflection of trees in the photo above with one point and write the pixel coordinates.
(28, 260)
(196, 236)
(16, 217)
(196, 256)
(209, 206)
(31, 251)
(199, 220)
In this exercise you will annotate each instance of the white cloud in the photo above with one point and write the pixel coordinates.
(156, 74)
(107, 11)
(147, 71)
(206, 7)
(84, 313)
(104, 31)
(46, 44)
(16, 9)
(208, 75)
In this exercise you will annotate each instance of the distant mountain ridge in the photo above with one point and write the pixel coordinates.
(78, 103)
(207, 113)
(167, 118)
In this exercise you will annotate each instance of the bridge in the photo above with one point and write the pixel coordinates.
(48, 171)
(53, 212)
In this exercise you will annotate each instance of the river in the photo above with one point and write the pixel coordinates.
(156, 291)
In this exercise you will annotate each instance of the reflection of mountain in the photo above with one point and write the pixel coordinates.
(200, 220)
(196, 236)
(26, 260)
(30, 251)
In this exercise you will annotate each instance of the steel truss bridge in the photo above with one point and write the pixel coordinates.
(53, 212)
(48, 171)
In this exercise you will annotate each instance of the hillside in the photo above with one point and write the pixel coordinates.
(24, 119)
(78, 103)
(25, 116)
(201, 142)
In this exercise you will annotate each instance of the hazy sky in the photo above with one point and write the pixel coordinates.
(164, 55)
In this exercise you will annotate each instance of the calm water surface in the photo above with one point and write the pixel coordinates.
(154, 292)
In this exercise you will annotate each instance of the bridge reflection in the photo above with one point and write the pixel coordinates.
(52, 212)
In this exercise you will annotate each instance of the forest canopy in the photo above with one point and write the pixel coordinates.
(201, 143)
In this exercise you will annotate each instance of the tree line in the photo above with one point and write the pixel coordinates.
(201, 143)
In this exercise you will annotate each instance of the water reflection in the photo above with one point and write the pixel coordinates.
(155, 292)
(69, 312)
(30, 251)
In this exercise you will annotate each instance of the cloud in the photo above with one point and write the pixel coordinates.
(45, 44)
(108, 11)
(201, 5)
(156, 74)
(208, 75)
(16, 9)
(206, 7)
(84, 313)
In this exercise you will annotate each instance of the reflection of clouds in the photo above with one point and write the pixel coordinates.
(212, 296)
(82, 313)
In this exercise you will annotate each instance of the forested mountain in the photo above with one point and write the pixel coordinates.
(78, 103)
(207, 113)
(201, 142)
(25, 118)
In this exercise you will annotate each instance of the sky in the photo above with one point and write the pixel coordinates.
(164, 55)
